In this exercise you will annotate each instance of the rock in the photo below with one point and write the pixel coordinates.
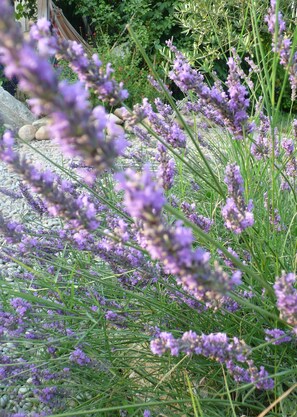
(115, 119)
(4, 401)
(41, 122)
(13, 112)
(42, 133)
(23, 390)
(7, 126)
(119, 131)
(121, 112)
(27, 132)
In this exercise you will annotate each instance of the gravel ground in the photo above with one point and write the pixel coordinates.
(18, 209)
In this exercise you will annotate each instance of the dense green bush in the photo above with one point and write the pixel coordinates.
(153, 20)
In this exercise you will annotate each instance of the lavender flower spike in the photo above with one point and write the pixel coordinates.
(173, 245)
(216, 346)
(286, 296)
(89, 70)
(236, 214)
(78, 129)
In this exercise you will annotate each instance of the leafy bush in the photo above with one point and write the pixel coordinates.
(153, 20)
(160, 289)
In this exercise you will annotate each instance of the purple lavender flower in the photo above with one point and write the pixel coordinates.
(229, 110)
(190, 210)
(262, 145)
(79, 211)
(282, 45)
(172, 245)
(279, 335)
(79, 357)
(12, 231)
(236, 214)
(91, 72)
(216, 346)
(147, 413)
(10, 193)
(167, 168)
(21, 306)
(163, 124)
(286, 296)
(35, 203)
(274, 216)
(291, 163)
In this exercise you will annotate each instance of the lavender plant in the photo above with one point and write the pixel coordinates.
(161, 291)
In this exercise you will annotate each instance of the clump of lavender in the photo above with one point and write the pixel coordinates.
(167, 168)
(172, 245)
(261, 147)
(277, 336)
(236, 214)
(9, 193)
(282, 45)
(286, 296)
(225, 109)
(163, 124)
(79, 129)
(291, 164)
(79, 357)
(89, 70)
(201, 221)
(34, 202)
(274, 216)
(219, 347)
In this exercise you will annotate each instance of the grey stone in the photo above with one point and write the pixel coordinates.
(41, 122)
(42, 133)
(27, 132)
(119, 130)
(121, 112)
(115, 119)
(4, 401)
(13, 112)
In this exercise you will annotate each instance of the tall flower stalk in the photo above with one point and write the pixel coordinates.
(172, 246)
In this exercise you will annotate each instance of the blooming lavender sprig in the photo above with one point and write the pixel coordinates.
(34, 202)
(13, 231)
(167, 168)
(79, 357)
(236, 214)
(172, 246)
(291, 163)
(201, 221)
(10, 193)
(216, 346)
(78, 129)
(277, 336)
(79, 211)
(286, 296)
(229, 110)
(89, 70)
(163, 124)
(282, 45)
(262, 145)
(274, 216)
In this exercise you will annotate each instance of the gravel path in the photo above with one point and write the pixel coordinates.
(18, 208)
